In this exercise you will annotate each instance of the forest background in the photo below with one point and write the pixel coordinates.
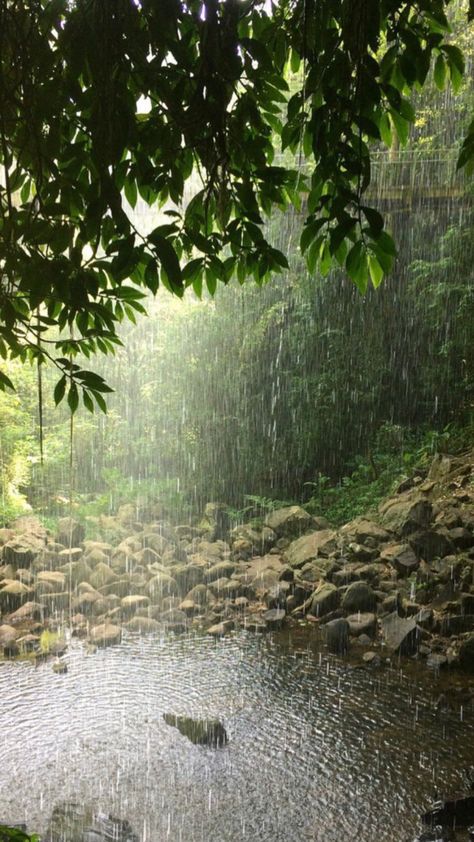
(299, 389)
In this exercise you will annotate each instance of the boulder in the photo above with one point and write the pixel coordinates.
(401, 557)
(466, 655)
(21, 551)
(461, 538)
(76, 572)
(70, 532)
(54, 577)
(309, 547)
(204, 732)
(336, 635)
(200, 595)
(12, 595)
(362, 530)
(130, 604)
(406, 513)
(102, 575)
(401, 634)
(454, 812)
(56, 601)
(8, 634)
(258, 541)
(187, 575)
(359, 597)
(431, 543)
(216, 521)
(161, 585)
(274, 618)
(174, 620)
(27, 611)
(289, 522)
(223, 569)
(73, 822)
(144, 625)
(105, 634)
(71, 554)
(219, 629)
(325, 599)
(362, 624)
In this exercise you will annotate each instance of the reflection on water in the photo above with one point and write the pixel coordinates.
(316, 751)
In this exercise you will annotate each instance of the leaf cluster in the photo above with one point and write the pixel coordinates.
(110, 104)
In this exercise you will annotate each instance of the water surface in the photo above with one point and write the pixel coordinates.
(317, 751)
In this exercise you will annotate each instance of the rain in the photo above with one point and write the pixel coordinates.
(239, 605)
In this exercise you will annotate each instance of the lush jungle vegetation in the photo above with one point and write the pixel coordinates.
(310, 387)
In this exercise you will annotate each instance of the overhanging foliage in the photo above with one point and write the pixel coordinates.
(104, 102)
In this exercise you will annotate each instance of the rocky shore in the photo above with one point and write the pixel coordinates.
(400, 582)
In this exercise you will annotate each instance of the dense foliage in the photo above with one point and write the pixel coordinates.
(13, 834)
(106, 102)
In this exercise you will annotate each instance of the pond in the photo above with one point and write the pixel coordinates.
(317, 750)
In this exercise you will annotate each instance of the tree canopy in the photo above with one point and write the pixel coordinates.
(104, 103)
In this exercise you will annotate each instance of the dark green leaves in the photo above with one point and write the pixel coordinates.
(169, 262)
(14, 834)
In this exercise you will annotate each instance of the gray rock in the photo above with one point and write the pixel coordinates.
(105, 634)
(336, 634)
(325, 599)
(406, 513)
(401, 634)
(359, 597)
(466, 656)
(274, 618)
(401, 557)
(309, 547)
(431, 543)
(72, 822)
(223, 569)
(70, 532)
(204, 732)
(289, 522)
(364, 623)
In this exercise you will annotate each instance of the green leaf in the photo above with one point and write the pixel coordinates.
(440, 73)
(402, 127)
(385, 130)
(375, 271)
(59, 390)
(357, 268)
(130, 190)
(87, 401)
(100, 402)
(5, 382)
(374, 218)
(211, 280)
(169, 261)
(73, 398)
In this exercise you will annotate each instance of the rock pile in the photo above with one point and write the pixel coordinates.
(403, 578)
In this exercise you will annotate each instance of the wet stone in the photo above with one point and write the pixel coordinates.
(72, 822)
(336, 634)
(274, 618)
(204, 732)
(436, 660)
(359, 597)
(362, 624)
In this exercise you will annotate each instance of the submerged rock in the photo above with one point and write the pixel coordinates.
(204, 732)
(73, 822)
(454, 812)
